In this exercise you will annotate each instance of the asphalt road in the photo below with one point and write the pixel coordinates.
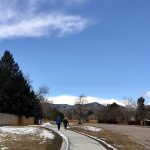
(137, 133)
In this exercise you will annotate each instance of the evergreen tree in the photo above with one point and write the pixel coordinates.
(140, 108)
(16, 96)
(38, 112)
(10, 80)
(113, 114)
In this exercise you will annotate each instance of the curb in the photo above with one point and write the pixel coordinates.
(103, 143)
(65, 143)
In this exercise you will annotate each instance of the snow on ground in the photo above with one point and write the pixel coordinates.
(4, 148)
(46, 135)
(90, 128)
(26, 130)
(47, 125)
(16, 132)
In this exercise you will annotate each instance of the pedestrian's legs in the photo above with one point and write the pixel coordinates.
(65, 126)
(58, 126)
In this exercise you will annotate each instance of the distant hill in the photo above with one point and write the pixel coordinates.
(94, 105)
(90, 106)
(62, 107)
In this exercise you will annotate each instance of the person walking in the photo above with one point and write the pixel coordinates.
(58, 122)
(66, 123)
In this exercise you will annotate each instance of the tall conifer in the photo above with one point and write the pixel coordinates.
(16, 96)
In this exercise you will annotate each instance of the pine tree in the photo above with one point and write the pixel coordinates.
(16, 95)
(10, 78)
(140, 108)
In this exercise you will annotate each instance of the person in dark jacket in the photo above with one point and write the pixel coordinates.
(66, 123)
(58, 122)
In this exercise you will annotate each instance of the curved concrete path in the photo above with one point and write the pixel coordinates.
(80, 142)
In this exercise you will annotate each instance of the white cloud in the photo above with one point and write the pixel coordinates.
(63, 99)
(104, 100)
(147, 94)
(74, 1)
(28, 19)
(66, 99)
(43, 25)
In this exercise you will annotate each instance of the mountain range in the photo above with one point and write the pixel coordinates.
(90, 106)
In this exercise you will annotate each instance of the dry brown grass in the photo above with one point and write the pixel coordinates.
(30, 142)
(121, 142)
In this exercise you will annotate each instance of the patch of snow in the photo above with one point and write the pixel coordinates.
(90, 128)
(34, 131)
(4, 148)
(47, 125)
(46, 135)
(18, 130)
(1, 140)
(33, 125)
(42, 142)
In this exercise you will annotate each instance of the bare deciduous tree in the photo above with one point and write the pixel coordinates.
(42, 92)
(148, 112)
(45, 104)
(46, 107)
(80, 107)
(129, 110)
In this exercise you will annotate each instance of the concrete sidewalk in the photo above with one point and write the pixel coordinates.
(80, 142)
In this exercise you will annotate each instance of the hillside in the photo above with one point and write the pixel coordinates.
(89, 107)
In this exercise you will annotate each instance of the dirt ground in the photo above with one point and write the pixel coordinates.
(140, 134)
(29, 142)
(115, 139)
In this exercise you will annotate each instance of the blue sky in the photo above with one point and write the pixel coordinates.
(99, 48)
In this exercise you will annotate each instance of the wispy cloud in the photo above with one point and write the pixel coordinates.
(67, 99)
(35, 18)
(39, 26)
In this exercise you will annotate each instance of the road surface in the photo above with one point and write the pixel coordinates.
(137, 133)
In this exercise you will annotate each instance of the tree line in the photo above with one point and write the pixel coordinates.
(132, 112)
